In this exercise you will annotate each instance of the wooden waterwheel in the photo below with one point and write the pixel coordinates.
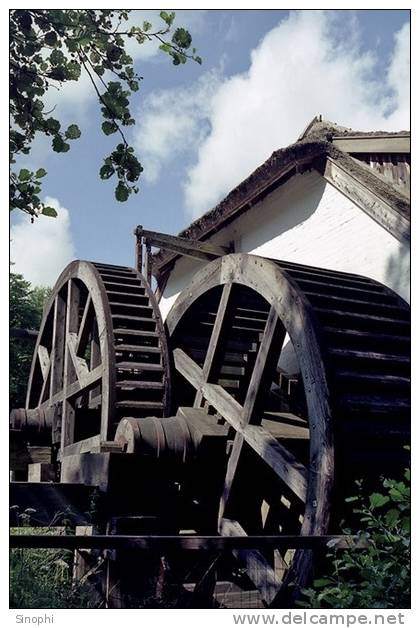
(309, 368)
(101, 354)
(288, 382)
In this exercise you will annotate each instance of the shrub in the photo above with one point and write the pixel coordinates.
(378, 577)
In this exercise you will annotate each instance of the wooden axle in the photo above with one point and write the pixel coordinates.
(176, 438)
(32, 421)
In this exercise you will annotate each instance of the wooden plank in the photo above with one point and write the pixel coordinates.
(382, 212)
(80, 365)
(183, 246)
(44, 361)
(292, 472)
(82, 446)
(41, 472)
(220, 322)
(257, 567)
(373, 143)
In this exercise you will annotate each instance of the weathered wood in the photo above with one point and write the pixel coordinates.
(292, 472)
(44, 360)
(373, 143)
(58, 345)
(258, 569)
(221, 320)
(394, 222)
(84, 329)
(72, 320)
(41, 472)
(80, 447)
(80, 366)
(182, 246)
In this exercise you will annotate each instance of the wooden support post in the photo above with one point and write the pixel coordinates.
(138, 257)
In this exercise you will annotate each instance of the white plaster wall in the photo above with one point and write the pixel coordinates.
(308, 221)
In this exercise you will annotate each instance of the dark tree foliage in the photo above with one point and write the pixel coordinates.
(49, 47)
(26, 306)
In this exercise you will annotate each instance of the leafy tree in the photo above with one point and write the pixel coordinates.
(26, 306)
(49, 47)
(378, 577)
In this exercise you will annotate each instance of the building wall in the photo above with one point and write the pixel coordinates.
(309, 222)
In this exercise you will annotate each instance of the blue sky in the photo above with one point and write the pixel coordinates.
(202, 129)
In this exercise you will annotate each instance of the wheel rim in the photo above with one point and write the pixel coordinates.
(297, 312)
(99, 322)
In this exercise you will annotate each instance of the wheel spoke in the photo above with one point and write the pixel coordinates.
(283, 463)
(83, 334)
(215, 344)
(258, 569)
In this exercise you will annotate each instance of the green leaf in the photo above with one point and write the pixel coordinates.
(24, 175)
(392, 517)
(106, 171)
(121, 192)
(377, 500)
(40, 173)
(49, 211)
(167, 17)
(57, 57)
(59, 145)
(50, 38)
(182, 38)
(109, 127)
(321, 582)
(73, 132)
(52, 125)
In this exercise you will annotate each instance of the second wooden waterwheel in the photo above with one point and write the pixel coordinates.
(101, 354)
(309, 370)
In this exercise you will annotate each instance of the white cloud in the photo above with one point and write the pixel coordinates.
(298, 71)
(310, 63)
(41, 250)
(170, 122)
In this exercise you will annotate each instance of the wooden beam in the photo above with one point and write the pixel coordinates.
(373, 143)
(80, 365)
(257, 567)
(182, 246)
(44, 361)
(162, 544)
(83, 334)
(284, 464)
(365, 198)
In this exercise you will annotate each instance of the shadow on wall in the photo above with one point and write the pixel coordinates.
(398, 273)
